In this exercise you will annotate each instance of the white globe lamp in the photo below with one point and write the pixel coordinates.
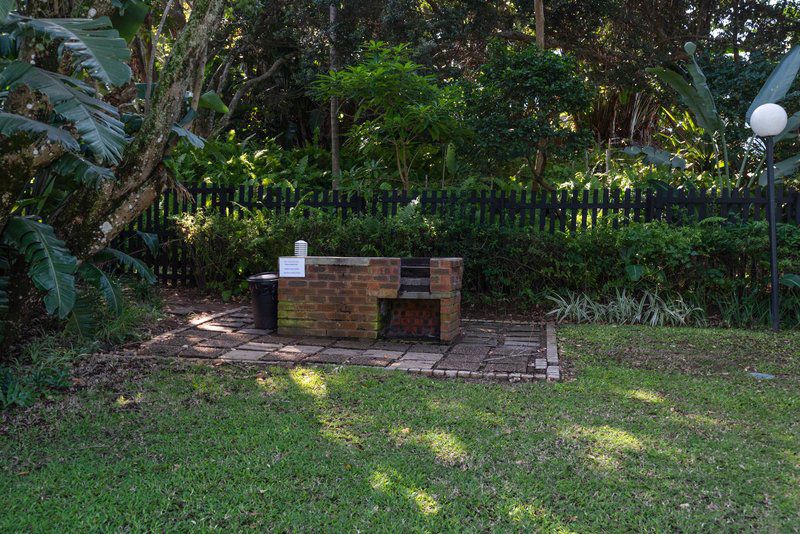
(768, 120)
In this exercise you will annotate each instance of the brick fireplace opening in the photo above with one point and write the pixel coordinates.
(410, 319)
(372, 297)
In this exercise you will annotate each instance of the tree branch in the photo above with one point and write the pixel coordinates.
(246, 86)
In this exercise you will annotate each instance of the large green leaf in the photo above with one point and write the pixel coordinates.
(783, 168)
(51, 267)
(108, 289)
(96, 122)
(779, 82)
(211, 100)
(93, 44)
(11, 124)
(689, 96)
(128, 18)
(192, 138)
(791, 127)
(81, 319)
(704, 95)
(85, 172)
(5, 8)
(112, 254)
(3, 295)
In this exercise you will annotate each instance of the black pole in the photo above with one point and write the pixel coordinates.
(773, 234)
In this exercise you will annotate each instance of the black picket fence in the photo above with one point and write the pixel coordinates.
(546, 211)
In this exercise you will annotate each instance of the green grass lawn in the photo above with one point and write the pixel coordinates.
(659, 429)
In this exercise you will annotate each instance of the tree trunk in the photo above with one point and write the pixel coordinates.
(335, 147)
(538, 170)
(96, 216)
(539, 16)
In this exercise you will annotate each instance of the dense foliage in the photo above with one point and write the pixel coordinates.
(720, 267)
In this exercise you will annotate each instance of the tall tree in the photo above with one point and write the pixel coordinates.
(335, 160)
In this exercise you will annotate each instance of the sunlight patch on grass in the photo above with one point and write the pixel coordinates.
(391, 483)
(522, 512)
(310, 381)
(527, 514)
(605, 444)
(645, 395)
(447, 448)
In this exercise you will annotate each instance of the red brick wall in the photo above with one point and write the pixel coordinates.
(339, 297)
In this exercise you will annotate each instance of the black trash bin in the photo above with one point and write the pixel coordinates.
(264, 288)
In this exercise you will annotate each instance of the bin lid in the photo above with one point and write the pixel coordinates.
(262, 277)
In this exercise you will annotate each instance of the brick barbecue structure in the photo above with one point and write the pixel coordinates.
(373, 297)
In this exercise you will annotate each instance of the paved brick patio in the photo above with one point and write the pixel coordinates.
(485, 349)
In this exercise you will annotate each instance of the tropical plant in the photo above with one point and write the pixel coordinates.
(522, 107)
(400, 114)
(76, 169)
(733, 170)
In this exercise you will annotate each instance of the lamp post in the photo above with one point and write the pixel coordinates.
(767, 121)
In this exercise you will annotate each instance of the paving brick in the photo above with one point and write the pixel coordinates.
(284, 357)
(304, 350)
(215, 327)
(353, 344)
(384, 354)
(200, 352)
(262, 347)
(254, 331)
(462, 348)
(429, 347)
(374, 361)
(205, 334)
(514, 351)
(325, 357)
(243, 355)
(316, 341)
(389, 345)
(227, 340)
(347, 353)
(510, 367)
(458, 364)
(432, 356)
(282, 340)
(413, 364)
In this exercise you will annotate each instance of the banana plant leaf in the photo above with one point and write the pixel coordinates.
(704, 116)
(704, 96)
(779, 82)
(93, 44)
(783, 168)
(5, 8)
(51, 266)
(112, 295)
(11, 124)
(211, 100)
(129, 17)
(81, 170)
(81, 319)
(96, 122)
(112, 254)
(791, 127)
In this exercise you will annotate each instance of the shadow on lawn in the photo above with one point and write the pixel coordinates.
(548, 454)
(345, 449)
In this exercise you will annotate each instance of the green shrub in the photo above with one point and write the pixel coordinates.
(711, 265)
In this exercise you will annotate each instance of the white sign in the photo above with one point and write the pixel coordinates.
(292, 267)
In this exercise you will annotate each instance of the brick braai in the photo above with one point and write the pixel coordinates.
(372, 297)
